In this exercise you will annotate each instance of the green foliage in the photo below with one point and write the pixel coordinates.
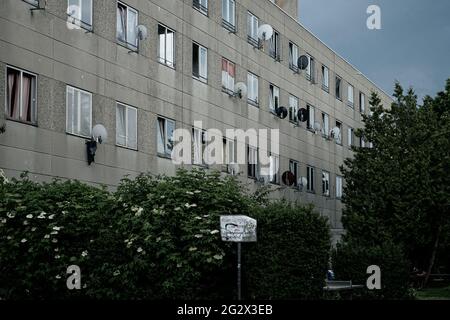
(350, 262)
(290, 259)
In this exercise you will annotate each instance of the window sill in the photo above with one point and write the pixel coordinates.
(228, 91)
(350, 104)
(231, 28)
(33, 124)
(201, 9)
(340, 99)
(294, 69)
(253, 103)
(326, 89)
(78, 135)
(126, 148)
(171, 66)
(200, 79)
(164, 156)
(78, 24)
(128, 46)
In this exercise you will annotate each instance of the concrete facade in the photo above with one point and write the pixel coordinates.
(41, 43)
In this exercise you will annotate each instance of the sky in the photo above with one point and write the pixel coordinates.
(413, 45)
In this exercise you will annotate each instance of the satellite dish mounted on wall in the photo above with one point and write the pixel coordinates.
(281, 112)
(317, 127)
(335, 133)
(240, 90)
(302, 115)
(302, 62)
(142, 32)
(288, 178)
(265, 32)
(99, 134)
(302, 183)
(233, 169)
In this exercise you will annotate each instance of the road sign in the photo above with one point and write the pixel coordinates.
(238, 229)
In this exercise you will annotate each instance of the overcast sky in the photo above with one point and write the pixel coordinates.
(412, 47)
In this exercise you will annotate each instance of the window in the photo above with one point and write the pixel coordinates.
(274, 46)
(311, 117)
(338, 88)
(293, 56)
(274, 169)
(293, 167)
(253, 88)
(310, 178)
(362, 142)
(201, 5)
(338, 187)
(166, 46)
(274, 97)
(293, 108)
(339, 137)
(350, 98)
(21, 95)
(325, 125)
(350, 136)
(165, 128)
(81, 12)
(229, 15)
(252, 29)
(325, 79)
(229, 151)
(326, 183)
(199, 62)
(127, 21)
(310, 68)
(199, 146)
(78, 112)
(228, 75)
(126, 126)
(362, 102)
(252, 162)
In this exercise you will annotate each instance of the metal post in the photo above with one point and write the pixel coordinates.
(239, 271)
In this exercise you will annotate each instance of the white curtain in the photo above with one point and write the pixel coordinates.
(131, 27)
(120, 125)
(13, 93)
(121, 23)
(203, 63)
(85, 116)
(26, 98)
(132, 127)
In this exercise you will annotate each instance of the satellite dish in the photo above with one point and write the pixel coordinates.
(281, 112)
(317, 126)
(99, 133)
(302, 182)
(288, 178)
(303, 62)
(265, 32)
(240, 90)
(233, 168)
(335, 133)
(142, 32)
(302, 115)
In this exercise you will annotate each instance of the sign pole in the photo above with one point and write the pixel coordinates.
(239, 284)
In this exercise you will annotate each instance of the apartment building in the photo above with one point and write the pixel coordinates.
(67, 65)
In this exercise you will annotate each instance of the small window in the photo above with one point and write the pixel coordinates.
(338, 187)
(252, 161)
(274, 169)
(339, 137)
(166, 53)
(199, 62)
(127, 21)
(229, 15)
(362, 102)
(253, 89)
(338, 88)
(274, 46)
(325, 125)
(310, 178)
(199, 145)
(252, 29)
(310, 69)
(126, 126)
(326, 183)
(78, 112)
(229, 151)
(293, 56)
(350, 97)
(293, 167)
(325, 78)
(165, 129)
(350, 136)
(274, 97)
(311, 117)
(21, 95)
(80, 12)
(228, 75)
(293, 109)
(362, 142)
(201, 5)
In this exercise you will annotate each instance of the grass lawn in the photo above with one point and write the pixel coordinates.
(434, 294)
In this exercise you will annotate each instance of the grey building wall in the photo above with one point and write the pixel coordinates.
(41, 43)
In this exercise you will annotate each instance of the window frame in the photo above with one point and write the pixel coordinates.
(339, 125)
(200, 48)
(34, 122)
(310, 176)
(338, 93)
(326, 183)
(203, 9)
(274, 93)
(362, 102)
(293, 60)
(126, 43)
(311, 111)
(274, 161)
(255, 79)
(164, 60)
(230, 26)
(83, 24)
(252, 167)
(325, 125)
(127, 107)
(339, 186)
(229, 78)
(252, 35)
(275, 46)
(350, 137)
(79, 113)
(325, 84)
(165, 138)
(293, 119)
(350, 97)
(294, 164)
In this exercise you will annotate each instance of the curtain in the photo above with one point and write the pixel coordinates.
(120, 125)
(203, 63)
(161, 136)
(85, 114)
(121, 23)
(131, 28)
(225, 74)
(197, 146)
(26, 98)
(132, 127)
(231, 75)
(170, 47)
(14, 94)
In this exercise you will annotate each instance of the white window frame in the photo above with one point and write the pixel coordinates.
(229, 154)
(166, 139)
(78, 131)
(293, 108)
(338, 139)
(325, 78)
(350, 136)
(362, 102)
(127, 112)
(229, 14)
(199, 146)
(132, 45)
(165, 60)
(227, 80)
(311, 116)
(293, 56)
(294, 168)
(310, 69)
(202, 57)
(325, 125)
(350, 95)
(274, 169)
(339, 181)
(275, 46)
(252, 156)
(21, 107)
(310, 176)
(252, 26)
(79, 13)
(201, 6)
(339, 97)
(253, 88)
(325, 183)
(274, 97)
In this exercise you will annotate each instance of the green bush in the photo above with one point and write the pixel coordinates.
(290, 259)
(350, 262)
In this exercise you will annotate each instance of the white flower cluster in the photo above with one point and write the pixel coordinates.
(137, 211)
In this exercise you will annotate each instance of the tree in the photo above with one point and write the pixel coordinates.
(399, 190)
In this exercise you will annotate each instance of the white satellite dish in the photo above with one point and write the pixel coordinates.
(240, 89)
(99, 133)
(142, 32)
(233, 168)
(317, 126)
(265, 32)
(302, 183)
(335, 133)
